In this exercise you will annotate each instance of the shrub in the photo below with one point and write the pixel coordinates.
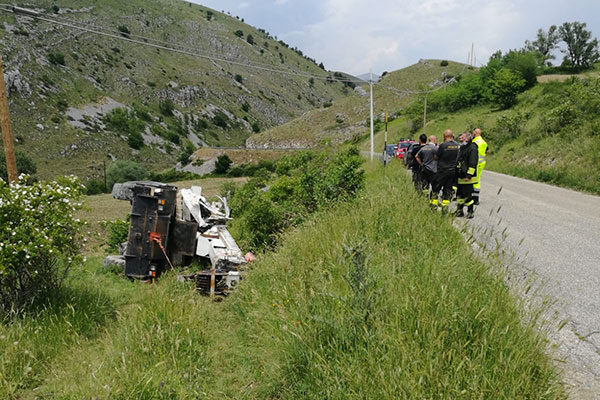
(239, 33)
(509, 126)
(238, 78)
(250, 39)
(505, 86)
(124, 30)
(220, 119)
(246, 107)
(256, 127)
(94, 186)
(118, 230)
(186, 153)
(166, 107)
(25, 164)
(172, 175)
(39, 239)
(62, 104)
(56, 58)
(307, 182)
(125, 170)
(222, 164)
(135, 140)
(124, 121)
(443, 63)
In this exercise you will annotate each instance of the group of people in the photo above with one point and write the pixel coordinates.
(450, 168)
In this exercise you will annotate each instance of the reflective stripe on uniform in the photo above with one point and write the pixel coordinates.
(445, 203)
(434, 202)
(460, 201)
(470, 203)
(471, 171)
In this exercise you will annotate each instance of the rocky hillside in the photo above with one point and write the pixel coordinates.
(347, 118)
(78, 99)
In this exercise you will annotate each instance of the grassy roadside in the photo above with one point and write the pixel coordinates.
(356, 303)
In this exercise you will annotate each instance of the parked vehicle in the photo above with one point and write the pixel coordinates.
(402, 148)
(390, 150)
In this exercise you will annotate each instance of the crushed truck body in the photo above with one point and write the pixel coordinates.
(171, 227)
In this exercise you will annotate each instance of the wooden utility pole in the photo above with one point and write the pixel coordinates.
(7, 137)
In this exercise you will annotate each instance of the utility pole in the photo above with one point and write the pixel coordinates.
(104, 168)
(472, 52)
(7, 138)
(371, 101)
(385, 156)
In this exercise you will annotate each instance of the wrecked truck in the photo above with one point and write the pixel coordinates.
(171, 226)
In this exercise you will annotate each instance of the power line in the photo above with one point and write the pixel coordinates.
(168, 46)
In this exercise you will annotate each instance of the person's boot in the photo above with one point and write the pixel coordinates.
(459, 212)
(433, 204)
(470, 212)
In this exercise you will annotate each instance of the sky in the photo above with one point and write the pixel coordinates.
(355, 36)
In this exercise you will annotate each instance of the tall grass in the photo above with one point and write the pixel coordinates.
(375, 298)
(381, 298)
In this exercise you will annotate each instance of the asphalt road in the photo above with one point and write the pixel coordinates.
(554, 234)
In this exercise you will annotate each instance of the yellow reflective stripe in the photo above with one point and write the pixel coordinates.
(460, 201)
(470, 203)
(434, 202)
(471, 171)
(445, 203)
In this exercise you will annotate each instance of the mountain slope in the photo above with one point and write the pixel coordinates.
(63, 83)
(348, 117)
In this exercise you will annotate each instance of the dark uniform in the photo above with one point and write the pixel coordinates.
(415, 167)
(429, 168)
(466, 168)
(445, 177)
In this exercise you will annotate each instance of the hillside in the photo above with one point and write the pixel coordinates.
(64, 84)
(550, 135)
(353, 304)
(348, 117)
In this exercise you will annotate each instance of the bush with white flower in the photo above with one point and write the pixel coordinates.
(38, 238)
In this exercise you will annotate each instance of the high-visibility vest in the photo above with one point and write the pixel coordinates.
(481, 149)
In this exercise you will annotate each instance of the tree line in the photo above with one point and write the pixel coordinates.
(506, 75)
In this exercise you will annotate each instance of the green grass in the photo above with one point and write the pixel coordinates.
(376, 298)
(569, 158)
(94, 70)
(319, 126)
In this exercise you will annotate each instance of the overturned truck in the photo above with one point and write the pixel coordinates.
(172, 227)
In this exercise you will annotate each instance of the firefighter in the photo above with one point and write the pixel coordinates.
(466, 172)
(414, 165)
(447, 157)
(426, 159)
(482, 149)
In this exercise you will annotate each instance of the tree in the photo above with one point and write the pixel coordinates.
(223, 164)
(186, 152)
(525, 63)
(125, 170)
(582, 50)
(250, 39)
(545, 43)
(25, 164)
(239, 33)
(505, 85)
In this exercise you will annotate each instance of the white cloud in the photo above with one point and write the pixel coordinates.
(354, 36)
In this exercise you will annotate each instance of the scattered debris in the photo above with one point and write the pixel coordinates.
(172, 227)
